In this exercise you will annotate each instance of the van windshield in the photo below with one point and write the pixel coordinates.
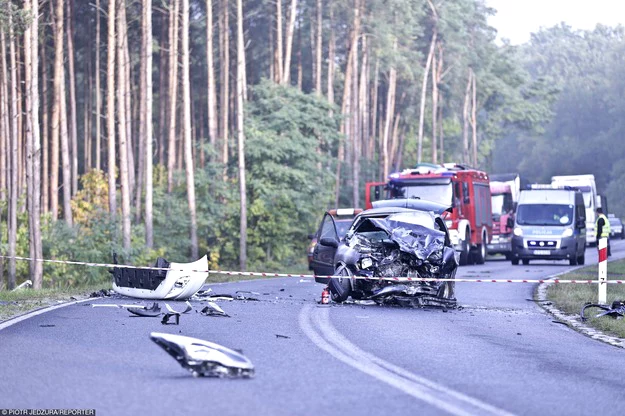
(544, 214)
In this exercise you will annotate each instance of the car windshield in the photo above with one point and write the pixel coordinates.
(544, 214)
(441, 193)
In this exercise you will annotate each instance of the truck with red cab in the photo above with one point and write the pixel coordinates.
(505, 189)
(465, 189)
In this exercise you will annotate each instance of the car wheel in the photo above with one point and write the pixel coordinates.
(340, 287)
(466, 252)
(480, 254)
(526, 262)
(623, 235)
(573, 261)
(581, 259)
(447, 291)
(515, 262)
(509, 257)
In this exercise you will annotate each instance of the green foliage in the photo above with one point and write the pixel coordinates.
(291, 141)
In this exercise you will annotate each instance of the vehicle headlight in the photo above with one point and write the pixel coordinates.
(567, 233)
(518, 231)
(366, 262)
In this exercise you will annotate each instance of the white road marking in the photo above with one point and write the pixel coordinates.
(21, 318)
(316, 325)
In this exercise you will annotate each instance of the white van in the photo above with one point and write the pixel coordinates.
(550, 224)
(585, 184)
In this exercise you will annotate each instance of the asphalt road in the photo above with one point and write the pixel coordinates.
(498, 354)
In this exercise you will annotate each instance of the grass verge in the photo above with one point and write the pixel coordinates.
(570, 298)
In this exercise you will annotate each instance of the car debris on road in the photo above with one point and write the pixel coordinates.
(204, 358)
(213, 310)
(179, 282)
(171, 313)
(152, 311)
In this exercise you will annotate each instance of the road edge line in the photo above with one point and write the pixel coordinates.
(12, 321)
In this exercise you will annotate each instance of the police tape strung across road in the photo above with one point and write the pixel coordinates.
(261, 274)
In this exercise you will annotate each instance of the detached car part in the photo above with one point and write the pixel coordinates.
(182, 281)
(617, 310)
(213, 310)
(153, 311)
(203, 358)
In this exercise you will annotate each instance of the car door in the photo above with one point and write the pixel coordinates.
(323, 256)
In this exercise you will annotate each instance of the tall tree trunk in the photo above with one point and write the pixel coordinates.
(12, 220)
(363, 99)
(286, 72)
(331, 54)
(279, 44)
(474, 119)
(162, 91)
(128, 99)
(110, 106)
(186, 101)
(87, 110)
(65, 141)
(56, 113)
(31, 58)
(149, 140)
(45, 140)
(173, 91)
(424, 86)
(319, 47)
(212, 88)
(434, 108)
(465, 119)
(73, 125)
(241, 137)
(123, 146)
(390, 114)
(374, 108)
(4, 122)
(224, 35)
(356, 138)
(98, 91)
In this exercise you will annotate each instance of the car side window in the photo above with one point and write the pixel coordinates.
(327, 227)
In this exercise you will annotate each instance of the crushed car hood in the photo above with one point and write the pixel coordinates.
(414, 239)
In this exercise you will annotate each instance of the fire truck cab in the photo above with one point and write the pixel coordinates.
(466, 190)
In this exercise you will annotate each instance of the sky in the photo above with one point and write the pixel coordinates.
(516, 19)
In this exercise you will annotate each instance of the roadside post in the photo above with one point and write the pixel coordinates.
(603, 270)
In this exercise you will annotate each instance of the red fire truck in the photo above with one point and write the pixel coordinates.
(465, 189)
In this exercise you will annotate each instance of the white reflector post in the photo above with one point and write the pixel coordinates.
(603, 270)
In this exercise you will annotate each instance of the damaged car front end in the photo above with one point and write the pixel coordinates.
(387, 244)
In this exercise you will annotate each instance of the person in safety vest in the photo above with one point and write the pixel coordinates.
(603, 228)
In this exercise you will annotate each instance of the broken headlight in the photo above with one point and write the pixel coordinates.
(365, 263)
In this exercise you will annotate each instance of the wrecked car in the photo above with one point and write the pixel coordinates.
(396, 238)
(180, 282)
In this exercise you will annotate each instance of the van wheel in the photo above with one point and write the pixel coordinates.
(581, 259)
(515, 262)
(526, 262)
(573, 261)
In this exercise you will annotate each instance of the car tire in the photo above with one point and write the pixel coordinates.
(509, 257)
(573, 261)
(515, 262)
(623, 235)
(526, 262)
(581, 259)
(340, 287)
(447, 291)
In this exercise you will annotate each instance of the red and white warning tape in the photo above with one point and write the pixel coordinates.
(261, 274)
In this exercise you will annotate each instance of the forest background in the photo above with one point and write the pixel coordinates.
(175, 128)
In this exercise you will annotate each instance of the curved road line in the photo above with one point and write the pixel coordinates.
(316, 325)
(13, 321)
